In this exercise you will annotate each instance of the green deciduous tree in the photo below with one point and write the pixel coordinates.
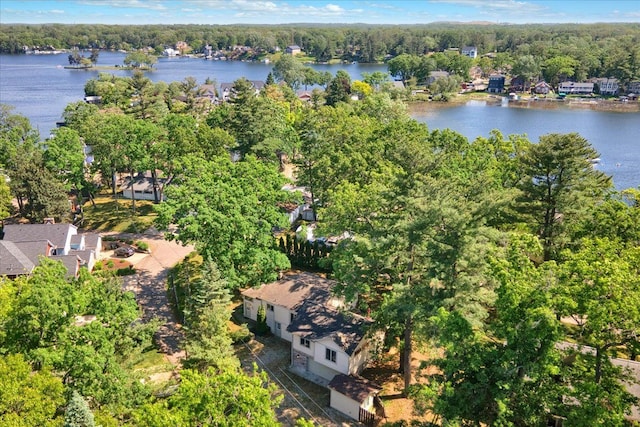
(403, 66)
(599, 287)
(6, 206)
(28, 399)
(339, 88)
(528, 67)
(559, 68)
(228, 210)
(65, 158)
(140, 59)
(225, 398)
(289, 70)
(504, 373)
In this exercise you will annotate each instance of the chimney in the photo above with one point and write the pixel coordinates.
(49, 220)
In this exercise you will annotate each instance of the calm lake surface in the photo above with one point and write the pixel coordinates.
(39, 88)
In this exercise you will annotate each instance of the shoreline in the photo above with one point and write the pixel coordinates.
(601, 105)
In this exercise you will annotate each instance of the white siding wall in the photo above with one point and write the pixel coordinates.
(359, 358)
(344, 404)
(342, 360)
(67, 244)
(279, 314)
(295, 344)
(251, 308)
(322, 370)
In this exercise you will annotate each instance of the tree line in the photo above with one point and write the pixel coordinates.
(516, 258)
(555, 52)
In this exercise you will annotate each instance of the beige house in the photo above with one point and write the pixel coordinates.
(354, 396)
(328, 342)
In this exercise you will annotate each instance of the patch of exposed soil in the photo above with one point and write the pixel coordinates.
(385, 373)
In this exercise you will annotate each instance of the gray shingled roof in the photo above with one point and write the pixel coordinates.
(293, 290)
(34, 250)
(12, 261)
(356, 388)
(317, 321)
(55, 233)
(69, 261)
(91, 240)
(76, 239)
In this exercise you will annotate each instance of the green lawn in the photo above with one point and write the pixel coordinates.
(111, 215)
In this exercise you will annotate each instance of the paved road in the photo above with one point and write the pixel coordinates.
(149, 285)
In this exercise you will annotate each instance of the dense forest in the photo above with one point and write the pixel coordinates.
(517, 259)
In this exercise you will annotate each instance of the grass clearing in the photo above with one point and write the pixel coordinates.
(110, 214)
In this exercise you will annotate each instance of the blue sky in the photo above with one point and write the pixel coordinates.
(315, 11)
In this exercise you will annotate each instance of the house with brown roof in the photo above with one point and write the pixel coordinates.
(283, 298)
(542, 88)
(356, 397)
(326, 339)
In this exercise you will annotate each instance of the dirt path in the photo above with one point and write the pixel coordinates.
(149, 285)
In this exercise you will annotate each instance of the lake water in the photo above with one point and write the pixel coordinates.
(616, 136)
(40, 88)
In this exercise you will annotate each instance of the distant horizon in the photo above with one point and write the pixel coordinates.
(314, 12)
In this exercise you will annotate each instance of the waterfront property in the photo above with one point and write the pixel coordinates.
(496, 83)
(607, 86)
(542, 88)
(293, 50)
(576, 88)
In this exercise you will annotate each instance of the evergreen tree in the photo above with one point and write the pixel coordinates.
(207, 313)
(78, 413)
(261, 321)
(270, 79)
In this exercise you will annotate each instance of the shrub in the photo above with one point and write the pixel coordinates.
(261, 321)
(110, 263)
(241, 335)
(128, 271)
(143, 246)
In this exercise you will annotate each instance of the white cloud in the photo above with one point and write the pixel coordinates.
(382, 6)
(128, 4)
(496, 5)
(246, 8)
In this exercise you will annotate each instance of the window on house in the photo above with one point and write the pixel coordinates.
(305, 342)
(330, 355)
(269, 307)
(278, 325)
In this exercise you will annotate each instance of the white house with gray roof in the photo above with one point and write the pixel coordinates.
(22, 246)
